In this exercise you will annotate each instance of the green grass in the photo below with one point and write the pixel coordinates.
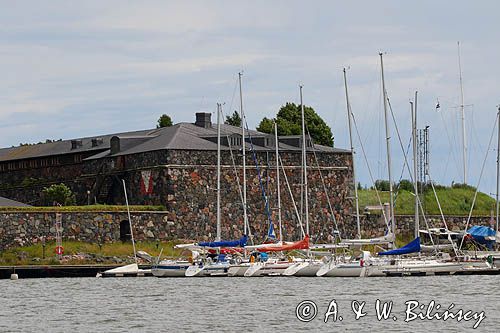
(454, 201)
(90, 208)
(24, 255)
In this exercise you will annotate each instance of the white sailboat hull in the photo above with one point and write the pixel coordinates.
(267, 268)
(171, 269)
(238, 270)
(216, 269)
(305, 268)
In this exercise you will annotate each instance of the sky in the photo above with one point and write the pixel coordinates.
(81, 68)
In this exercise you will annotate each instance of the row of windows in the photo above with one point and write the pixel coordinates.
(39, 163)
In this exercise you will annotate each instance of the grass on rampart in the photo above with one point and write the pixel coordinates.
(89, 208)
(78, 253)
(454, 201)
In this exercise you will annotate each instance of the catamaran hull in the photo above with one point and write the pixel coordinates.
(207, 270)
(267, 269)
(238, 270)
(303, 269)
(341, 270)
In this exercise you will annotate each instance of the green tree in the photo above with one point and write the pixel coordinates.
(382, 185)
(289, 121)
(58, 194)
(164, 121)
(233, 119)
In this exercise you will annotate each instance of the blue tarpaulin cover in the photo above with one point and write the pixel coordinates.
(480, 232)
(235, 243)
(411, 247)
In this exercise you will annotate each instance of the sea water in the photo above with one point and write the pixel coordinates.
(265, 304)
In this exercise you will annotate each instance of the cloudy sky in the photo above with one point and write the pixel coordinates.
(78, 68)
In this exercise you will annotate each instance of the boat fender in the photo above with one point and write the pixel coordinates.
(361, 262)
(59, 250)
(252, 259)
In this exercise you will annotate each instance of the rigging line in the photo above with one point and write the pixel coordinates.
(323, 182)
(442, 215)
(234, 94)
(452, 147)
(236, 175)
(263, 190)
(293, 200)
(369, 170)
(479, 182)
(408, 167)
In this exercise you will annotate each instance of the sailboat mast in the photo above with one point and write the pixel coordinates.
(219, 106)
(243, 149)
(415, 179)
(388, 147)
(358, 225)
(129, 220)
(278, 179)
(462, 108)
(498, 170)
(304, 161)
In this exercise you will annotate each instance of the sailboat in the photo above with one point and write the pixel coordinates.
(308, 266)
(277, 265)
(218, 265)
(131, 269)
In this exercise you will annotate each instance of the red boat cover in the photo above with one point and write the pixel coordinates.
(300, 245)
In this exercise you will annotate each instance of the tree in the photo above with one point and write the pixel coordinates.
(382, 185)
(164, 121)
(233, 119)
(58, 194)
(289, 121)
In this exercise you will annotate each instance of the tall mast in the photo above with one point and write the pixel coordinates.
(498, 169)
(243, 149)
(388, 147)
(219, 106)
(278, 178)
(129, 220)
(304, 161)
(462, 108)
(358, 225)
(415, 178)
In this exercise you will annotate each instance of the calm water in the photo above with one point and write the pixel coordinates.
(236, 304)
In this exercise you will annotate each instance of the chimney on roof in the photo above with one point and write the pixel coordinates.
(203, 119)
(75, 144)
(97, 142)
(114, 145)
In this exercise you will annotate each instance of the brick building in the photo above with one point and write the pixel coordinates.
(176, 167)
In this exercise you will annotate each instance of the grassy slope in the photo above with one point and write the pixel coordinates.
(91, 208)
(24, 255)
(454, 201)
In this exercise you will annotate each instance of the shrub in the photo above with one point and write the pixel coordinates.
(58, 194)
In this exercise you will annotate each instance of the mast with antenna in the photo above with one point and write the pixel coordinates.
(218, 238)
(304, 161)
(278, 179)
(358, 225)
(498, 170)
(415, 160)
(388, 147)
(462, 108)
(243, 149)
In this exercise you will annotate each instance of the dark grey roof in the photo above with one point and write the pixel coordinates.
(182, 136)
(4, 202)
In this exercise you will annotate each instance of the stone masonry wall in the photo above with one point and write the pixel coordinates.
(17, 229)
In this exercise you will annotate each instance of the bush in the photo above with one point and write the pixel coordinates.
(382, 185)
(58, 194)
(406, 185)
